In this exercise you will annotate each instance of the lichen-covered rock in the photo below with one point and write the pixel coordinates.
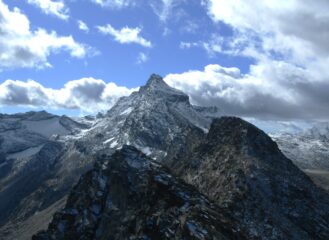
(128, 196)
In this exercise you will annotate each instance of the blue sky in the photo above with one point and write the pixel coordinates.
(265, 60)
(118, 62)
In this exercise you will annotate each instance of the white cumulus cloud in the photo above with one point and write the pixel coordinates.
(125, 35)
(56, 8)
(21, 47)
(295, 31)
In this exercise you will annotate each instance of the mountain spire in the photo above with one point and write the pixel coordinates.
(156, 80)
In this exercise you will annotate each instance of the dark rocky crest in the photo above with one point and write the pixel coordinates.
(241, 168)
(128, 196)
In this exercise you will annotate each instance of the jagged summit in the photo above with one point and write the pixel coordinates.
(155, 80)
(156, 87)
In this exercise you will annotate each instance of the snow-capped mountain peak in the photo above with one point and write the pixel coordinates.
(151, 118)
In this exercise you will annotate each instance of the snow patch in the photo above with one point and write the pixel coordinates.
(127, 111)
(114, 144)
(146, 150)
(108, 140)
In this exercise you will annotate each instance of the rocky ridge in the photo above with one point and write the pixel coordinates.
(129, 196)
(242, 169)
(257, 192)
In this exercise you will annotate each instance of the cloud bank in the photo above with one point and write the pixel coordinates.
(88, 95)
(296, 30)
(271, 90)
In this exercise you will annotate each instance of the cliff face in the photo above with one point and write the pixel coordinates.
(128, 196)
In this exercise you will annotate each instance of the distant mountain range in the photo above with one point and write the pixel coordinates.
(309, 150)
(156, 167)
